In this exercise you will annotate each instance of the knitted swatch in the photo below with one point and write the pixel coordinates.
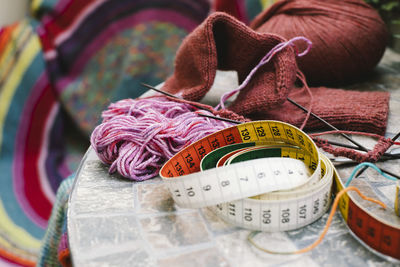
(345, 109)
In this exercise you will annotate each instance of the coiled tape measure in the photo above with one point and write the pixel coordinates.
(270, 177)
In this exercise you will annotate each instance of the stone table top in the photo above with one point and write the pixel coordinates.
(116, 222)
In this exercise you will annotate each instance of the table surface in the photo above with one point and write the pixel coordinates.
(115, 222)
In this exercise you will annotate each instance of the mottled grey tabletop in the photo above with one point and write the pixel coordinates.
(116, 222)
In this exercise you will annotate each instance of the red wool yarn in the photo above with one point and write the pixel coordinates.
(348, 36)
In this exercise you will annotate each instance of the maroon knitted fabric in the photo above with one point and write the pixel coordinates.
(345, 109)
(348, 36)
(222, 42)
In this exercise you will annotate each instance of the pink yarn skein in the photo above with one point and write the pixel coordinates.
(137, 136)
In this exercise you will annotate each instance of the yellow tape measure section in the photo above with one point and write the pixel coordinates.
(344, 201)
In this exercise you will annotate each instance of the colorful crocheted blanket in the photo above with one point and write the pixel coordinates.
(59, 68)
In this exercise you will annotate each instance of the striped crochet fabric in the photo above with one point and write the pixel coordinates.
(30, 137)
(56, 235)
(61, 69)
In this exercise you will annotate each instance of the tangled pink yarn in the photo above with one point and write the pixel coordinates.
(137, 136)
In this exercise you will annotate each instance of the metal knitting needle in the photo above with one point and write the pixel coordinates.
(390, 173)
(170, 95)
(344, 164)
(328, 124)
(387, 155)
(363, 169)
(396, 136)
(219, 118)
(158, 90)
(348, 138)
(383, 170)
(343, 145)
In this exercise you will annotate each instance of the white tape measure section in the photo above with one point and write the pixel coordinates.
(281, 211)
(237, 181)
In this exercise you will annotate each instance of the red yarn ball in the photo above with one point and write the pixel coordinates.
(349, 37)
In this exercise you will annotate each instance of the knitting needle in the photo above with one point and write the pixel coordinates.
(348, 163)
(171, 95)
(390, 173)
(396, 136)
(363, 169)
(387, 155)
(383, 170)
(328, 124)
(362, 148)
(201, 115)
(158, 90)
(219, 118)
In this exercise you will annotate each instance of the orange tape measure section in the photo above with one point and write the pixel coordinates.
(188, 160)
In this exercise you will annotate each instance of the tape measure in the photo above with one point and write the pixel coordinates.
(266, 176)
